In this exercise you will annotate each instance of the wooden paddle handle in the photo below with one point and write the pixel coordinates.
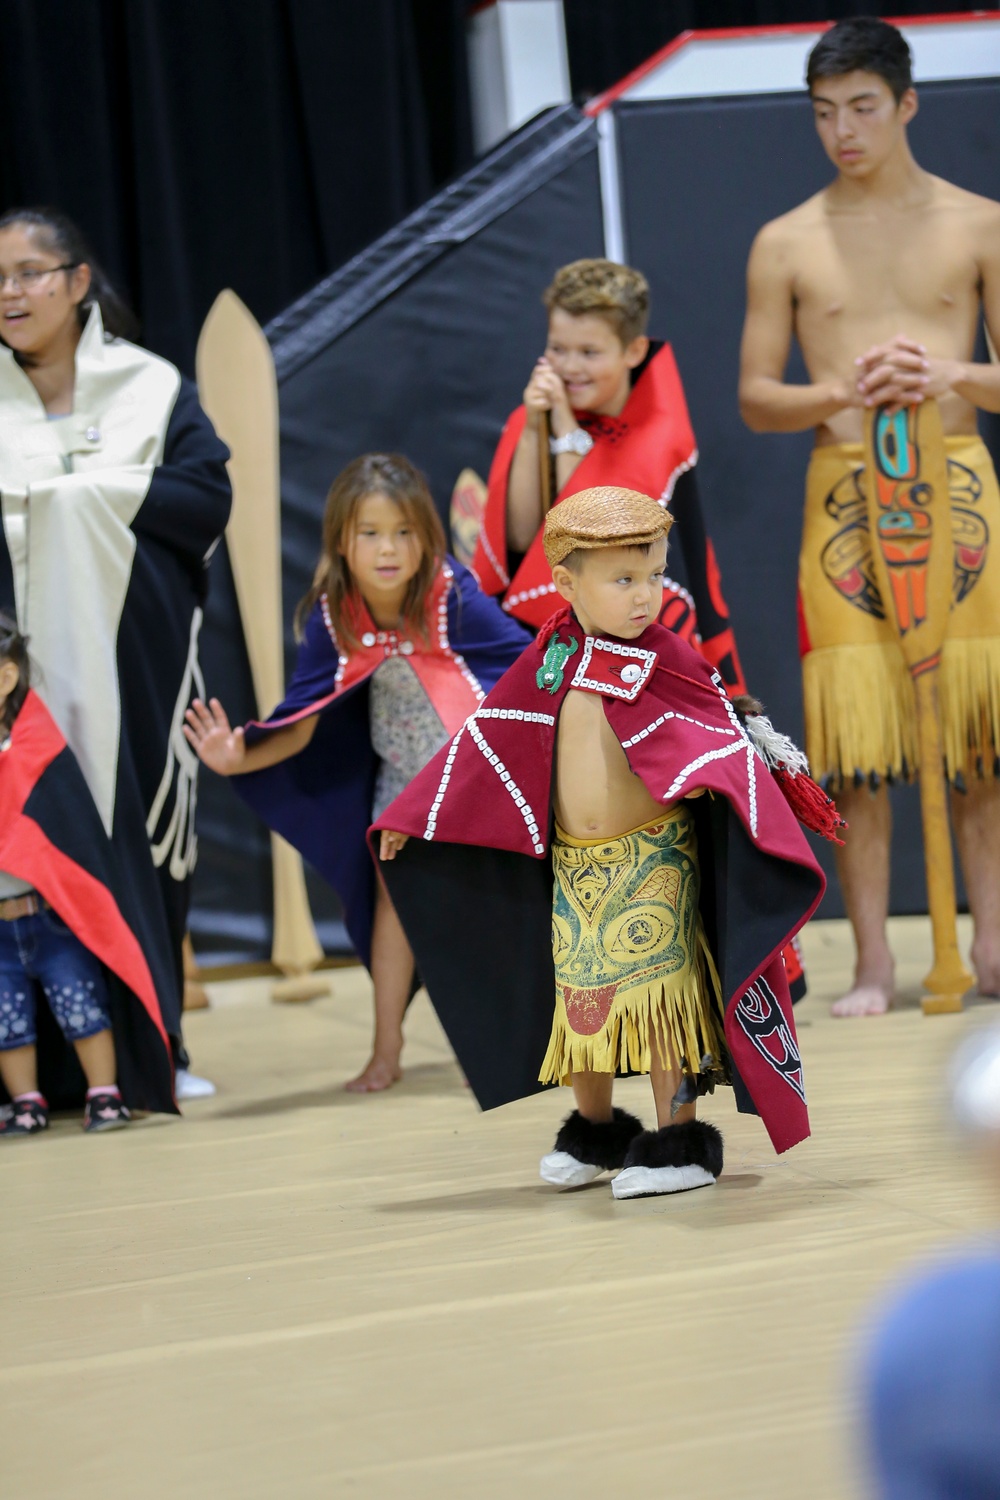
(917, 603)
(948, 979)
(545, 462)
(295, 948)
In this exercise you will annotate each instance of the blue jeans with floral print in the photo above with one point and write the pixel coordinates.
(40, 949)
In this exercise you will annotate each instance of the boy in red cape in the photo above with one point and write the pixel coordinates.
(611, 404)
(655, 915)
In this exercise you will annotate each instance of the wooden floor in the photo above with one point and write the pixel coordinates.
(294, 1294)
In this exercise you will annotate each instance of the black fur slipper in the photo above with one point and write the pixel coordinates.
(670, 1160)
(584, 1149)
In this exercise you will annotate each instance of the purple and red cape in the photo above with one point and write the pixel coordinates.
(320, 800)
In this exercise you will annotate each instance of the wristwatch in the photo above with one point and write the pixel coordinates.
(576, 441)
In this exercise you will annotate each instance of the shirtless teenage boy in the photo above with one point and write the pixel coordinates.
(881, 277)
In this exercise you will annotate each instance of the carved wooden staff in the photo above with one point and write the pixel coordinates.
(909, 517)
(238, 389)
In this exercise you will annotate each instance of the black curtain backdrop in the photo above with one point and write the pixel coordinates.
(261, 144)
(608, 38)
(255, 144)
(421, 345)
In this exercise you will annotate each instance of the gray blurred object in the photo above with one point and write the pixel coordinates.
(974, 1079)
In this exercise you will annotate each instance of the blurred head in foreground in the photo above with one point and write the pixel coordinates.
(933, 1369)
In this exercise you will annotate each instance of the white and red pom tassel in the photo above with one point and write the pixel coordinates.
(790, 769)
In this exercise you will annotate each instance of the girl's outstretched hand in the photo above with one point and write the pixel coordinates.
(390, 843)
(207, 729)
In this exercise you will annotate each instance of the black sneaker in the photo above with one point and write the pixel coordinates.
(23, 1118)
(105, 1112)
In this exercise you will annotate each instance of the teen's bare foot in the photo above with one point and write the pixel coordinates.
(378, 1075)
(986, 965)
(864, 1000)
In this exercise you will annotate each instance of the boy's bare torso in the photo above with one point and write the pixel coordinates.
(596, 795)
(859, 275)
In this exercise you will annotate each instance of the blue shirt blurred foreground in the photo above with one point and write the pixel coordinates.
(933, 1393)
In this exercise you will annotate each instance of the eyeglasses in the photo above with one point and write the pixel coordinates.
(28, 279)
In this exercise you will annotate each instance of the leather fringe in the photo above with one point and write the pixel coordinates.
(861, 717)
(686, 1014)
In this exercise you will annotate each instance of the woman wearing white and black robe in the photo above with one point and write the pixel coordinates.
(114, 495)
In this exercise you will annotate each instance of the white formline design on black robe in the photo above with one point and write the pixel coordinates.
(109, 517)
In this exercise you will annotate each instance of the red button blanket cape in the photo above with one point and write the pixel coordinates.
(473, 886)
(52, 837)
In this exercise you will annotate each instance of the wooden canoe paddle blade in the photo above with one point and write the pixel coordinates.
(238, 389)
(468, 506)
(909, 519)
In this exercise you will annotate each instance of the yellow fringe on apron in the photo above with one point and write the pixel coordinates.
(631, 960)
(859, 707)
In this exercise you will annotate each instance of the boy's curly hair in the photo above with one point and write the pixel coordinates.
(619, 294)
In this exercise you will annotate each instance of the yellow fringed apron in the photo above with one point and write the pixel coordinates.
(859, 708)
(631, 960)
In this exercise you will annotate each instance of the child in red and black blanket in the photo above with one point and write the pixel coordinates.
(616, 414)
(63, 933)
(398, 646)
(562, 843)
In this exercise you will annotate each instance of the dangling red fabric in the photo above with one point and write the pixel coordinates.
(810, 804)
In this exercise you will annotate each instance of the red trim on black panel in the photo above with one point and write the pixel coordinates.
(731, 33)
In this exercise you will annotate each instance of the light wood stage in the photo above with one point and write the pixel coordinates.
(295, 1293)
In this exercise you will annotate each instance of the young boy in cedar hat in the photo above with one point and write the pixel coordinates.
(561, 845)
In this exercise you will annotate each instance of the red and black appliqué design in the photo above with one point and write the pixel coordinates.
(847, 557)
(761, 1018)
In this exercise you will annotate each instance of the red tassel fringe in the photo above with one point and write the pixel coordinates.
(810, 804)
(555, 622)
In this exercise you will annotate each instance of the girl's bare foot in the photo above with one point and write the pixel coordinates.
(864, 1000)
(378, 1075)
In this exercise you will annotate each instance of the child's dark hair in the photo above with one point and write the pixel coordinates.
(387, 474)
(862, 44)
(14, 647)
(57, 233)
(575, 560)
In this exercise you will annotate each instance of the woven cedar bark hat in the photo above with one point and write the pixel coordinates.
(603, 517)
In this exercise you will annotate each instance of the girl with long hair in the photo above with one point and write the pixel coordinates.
(398, 647)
